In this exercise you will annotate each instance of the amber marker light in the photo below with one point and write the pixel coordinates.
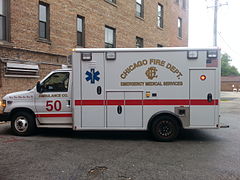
(203, 77)
(148, 94)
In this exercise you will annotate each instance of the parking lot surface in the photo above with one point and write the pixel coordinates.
(64, 154)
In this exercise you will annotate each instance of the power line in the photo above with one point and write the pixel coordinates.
(227, 44)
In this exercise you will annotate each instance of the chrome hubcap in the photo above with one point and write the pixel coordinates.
(21, 124)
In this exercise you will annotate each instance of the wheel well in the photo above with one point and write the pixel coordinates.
(21, 110)
(159, 114)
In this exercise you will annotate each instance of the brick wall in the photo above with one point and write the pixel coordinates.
(228, 86)
(24, 43)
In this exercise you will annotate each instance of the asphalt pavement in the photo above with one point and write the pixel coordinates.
(64, 154)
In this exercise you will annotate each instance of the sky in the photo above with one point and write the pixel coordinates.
(201, 26)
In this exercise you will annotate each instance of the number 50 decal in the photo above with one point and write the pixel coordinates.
(56, 105)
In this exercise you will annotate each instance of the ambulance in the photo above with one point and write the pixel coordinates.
(160, 90)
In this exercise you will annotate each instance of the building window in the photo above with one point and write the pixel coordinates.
(139, 8)
(184, 5)
(112, 1)
(180, 27)
(110, 37)
(44, 21)
(4, 20)
(80, 31)
(160, 15)
(139, 42)
(159, 45)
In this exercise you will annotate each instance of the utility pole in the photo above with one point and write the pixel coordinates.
(215, 23)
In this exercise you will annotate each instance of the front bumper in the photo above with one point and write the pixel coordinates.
(4, 117)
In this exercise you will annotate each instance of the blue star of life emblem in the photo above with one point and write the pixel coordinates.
(92, 76)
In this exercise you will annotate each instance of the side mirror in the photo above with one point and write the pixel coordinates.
(39, 87)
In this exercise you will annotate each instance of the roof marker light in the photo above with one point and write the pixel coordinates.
(110, 55)
(192, 54)
(212, 54)
(86, 56)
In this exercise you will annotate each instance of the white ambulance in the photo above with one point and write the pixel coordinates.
(160, 90)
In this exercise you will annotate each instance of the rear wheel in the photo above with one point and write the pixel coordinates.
(23, 123)
(165, 128)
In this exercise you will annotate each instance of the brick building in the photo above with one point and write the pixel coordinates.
(37, 36)
(230, 83)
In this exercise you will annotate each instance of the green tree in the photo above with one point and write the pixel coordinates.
(227, 69)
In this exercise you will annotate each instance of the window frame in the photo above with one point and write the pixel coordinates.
(6, 15)
(82, 44)
(141, 15)
(47, 23)
(142, 42)
(160, 16)
(114, 37)
(180, 27)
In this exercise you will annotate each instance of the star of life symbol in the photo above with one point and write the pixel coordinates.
(92, 76)
(151, 73)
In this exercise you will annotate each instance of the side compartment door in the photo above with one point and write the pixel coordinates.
(134, 109)
(202, 97)
(115, 109)
(53, 105)
(93, 99)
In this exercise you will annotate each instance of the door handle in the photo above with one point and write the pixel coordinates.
(68, 103)
(99, 90)
(119, 109)
(209, 97)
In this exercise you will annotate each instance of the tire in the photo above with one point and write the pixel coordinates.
(165, 128)
(23, 123)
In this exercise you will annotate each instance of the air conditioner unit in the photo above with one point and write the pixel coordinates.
(21, 70)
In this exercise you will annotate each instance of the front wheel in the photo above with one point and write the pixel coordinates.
(23, 123)
(165, 128)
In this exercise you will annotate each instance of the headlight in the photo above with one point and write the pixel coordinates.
(2, 105)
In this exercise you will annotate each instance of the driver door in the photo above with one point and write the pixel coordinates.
(53, 104)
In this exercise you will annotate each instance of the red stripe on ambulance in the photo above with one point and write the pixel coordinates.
(148, 102)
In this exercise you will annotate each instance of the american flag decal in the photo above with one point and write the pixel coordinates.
(212, 62)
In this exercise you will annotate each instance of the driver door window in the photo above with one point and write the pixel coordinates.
(57, 82)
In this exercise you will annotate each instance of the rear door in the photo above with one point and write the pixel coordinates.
(202, 97)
